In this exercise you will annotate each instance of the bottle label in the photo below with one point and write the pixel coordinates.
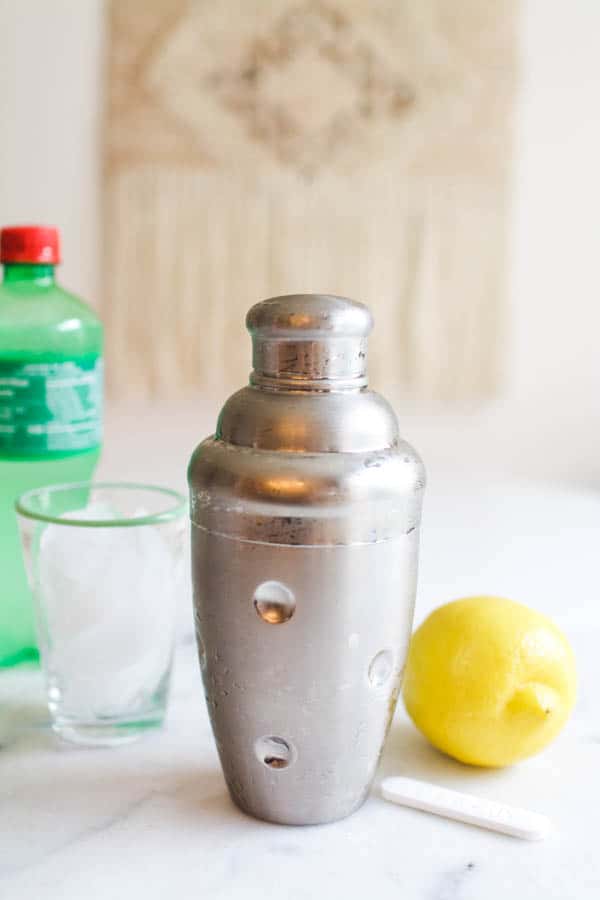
(50, 407)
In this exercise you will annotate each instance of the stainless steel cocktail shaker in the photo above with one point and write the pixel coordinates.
(305, 511)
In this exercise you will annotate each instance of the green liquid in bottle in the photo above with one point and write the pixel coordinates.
(17, 632)
(50, 415)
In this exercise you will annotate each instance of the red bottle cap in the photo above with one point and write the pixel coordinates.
(29, 244)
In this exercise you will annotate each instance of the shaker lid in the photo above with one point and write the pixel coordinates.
(309, 342)
(309, 317)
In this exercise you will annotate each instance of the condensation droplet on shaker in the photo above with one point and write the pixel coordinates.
(201, 653)
(274, 752)
(381, 668)
(274, 602)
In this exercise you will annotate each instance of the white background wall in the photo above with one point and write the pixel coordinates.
(50, 126)
(550, 410)
(546, 422)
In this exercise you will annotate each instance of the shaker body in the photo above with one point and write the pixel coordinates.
(304, 569)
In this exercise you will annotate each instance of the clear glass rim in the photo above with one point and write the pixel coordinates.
(178, 508)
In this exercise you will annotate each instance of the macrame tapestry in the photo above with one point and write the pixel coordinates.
(357, 147)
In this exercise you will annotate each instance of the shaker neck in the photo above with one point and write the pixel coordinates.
(335, 364)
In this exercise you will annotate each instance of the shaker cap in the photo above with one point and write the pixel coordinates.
(309, 317)
(309, 342)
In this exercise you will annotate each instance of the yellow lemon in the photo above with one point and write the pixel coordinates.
(489, 681)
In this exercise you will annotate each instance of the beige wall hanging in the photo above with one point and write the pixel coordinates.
(358, 147)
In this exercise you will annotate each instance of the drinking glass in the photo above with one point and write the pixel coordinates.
(104, 562)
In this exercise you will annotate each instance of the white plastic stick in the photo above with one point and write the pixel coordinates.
(465, 808)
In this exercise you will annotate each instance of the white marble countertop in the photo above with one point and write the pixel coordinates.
(153, 819)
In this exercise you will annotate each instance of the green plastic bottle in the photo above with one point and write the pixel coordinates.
(50, 405)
